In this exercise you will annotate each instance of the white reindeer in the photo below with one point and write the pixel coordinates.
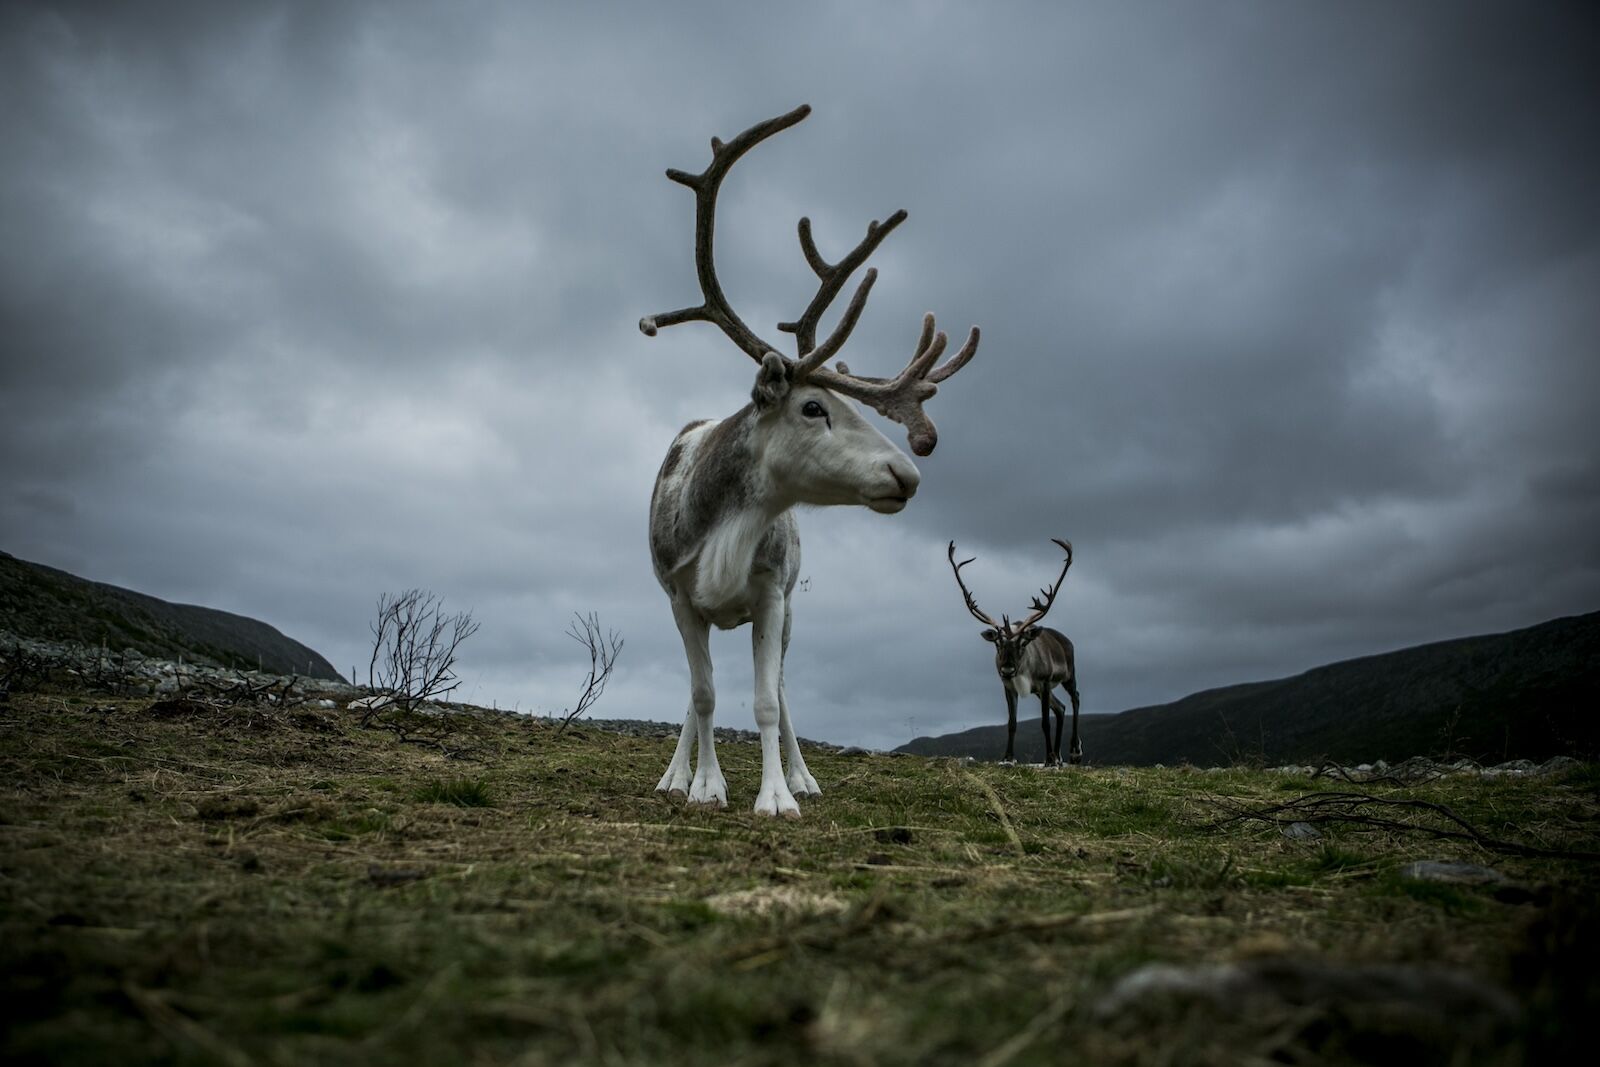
(722, 533)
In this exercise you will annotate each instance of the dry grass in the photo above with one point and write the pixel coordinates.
(201, 885)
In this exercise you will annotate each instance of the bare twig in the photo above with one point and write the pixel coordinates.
(999, 810)
(414, 645)
(603, 647)
(1353, 809)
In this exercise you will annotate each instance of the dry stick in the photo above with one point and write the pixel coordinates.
(999, 809)
(1333, 807)
(1047, 1018)
(171, 1024)
(1045, 922)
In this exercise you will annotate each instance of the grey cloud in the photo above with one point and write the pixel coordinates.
(1287, 312)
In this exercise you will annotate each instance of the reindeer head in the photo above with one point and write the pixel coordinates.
(821, 450)
(822, 441)
(1011, 639)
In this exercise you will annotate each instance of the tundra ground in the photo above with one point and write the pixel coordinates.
(188, 884)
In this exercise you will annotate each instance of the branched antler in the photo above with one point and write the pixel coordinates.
(705, 185)
(1040, 609)
(972, 605)
(899, 398)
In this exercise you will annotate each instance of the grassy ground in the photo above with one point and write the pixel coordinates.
(227, 886)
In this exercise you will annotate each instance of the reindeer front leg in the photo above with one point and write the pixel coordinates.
(706, 786)
(1011, 725)
(1075, 747)
(766, 646)
(1052, 757)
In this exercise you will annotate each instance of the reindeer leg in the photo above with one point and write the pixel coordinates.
(696, 647)
(801, 784)
(1075, 748)
(1061, 712)
(766, 645)
(1011, 726)
(1052, 758)
(676, 781)
(707, 787)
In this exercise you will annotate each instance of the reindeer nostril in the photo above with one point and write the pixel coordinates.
(905, 490)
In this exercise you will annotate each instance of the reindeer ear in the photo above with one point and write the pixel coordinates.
(772, 382)
(1029, 634)
(990, 635)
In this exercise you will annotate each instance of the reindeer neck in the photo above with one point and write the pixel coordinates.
(721, 507)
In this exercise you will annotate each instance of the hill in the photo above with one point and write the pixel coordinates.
(51, 605)
(1527, 694)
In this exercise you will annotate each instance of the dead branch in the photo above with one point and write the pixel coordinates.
(603, 647)
(414, 645)
(1355, 809)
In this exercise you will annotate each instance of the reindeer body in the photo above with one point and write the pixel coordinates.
(1045, 663)
(723, 540)
(1031, 661)
(726, 550)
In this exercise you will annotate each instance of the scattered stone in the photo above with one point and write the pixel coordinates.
(1448, 1010)
(1301, 831)
(392, 876)
(1451, 872)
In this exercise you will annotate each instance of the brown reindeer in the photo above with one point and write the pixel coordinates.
(1032, 659)
(723, 537)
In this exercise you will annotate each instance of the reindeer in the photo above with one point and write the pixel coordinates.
(723, 537)
(1032, 659)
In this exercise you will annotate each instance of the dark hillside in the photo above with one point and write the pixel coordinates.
(1530, 693)
(51, 605)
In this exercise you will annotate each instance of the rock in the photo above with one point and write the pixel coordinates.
(1451, 872)
(1444, 1014)
(1301, 831)
(1557, 764)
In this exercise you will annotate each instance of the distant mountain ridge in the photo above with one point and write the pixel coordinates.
(1531, 693)
(52, 605)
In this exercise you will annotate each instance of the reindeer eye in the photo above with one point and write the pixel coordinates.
(814, 410)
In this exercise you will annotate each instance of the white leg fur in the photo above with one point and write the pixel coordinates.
(801, 784)
(706, 786)
(766, 640)
(676, 781)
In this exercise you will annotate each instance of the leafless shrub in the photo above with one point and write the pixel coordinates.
(20, 669)
(414, 646)
(603, 647)
(227, 692)
(1398, 815)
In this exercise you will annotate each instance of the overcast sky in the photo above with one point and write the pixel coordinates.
(1291, 324)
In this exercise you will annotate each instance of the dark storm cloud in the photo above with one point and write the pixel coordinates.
(1288, 322)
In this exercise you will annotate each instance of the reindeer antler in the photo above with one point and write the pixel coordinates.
(705, 186)
(1039, 610)
(899, 398)
(972, 605)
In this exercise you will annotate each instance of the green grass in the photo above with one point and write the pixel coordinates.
(462, 792)
(211, 887)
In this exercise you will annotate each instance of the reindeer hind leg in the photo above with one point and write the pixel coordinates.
(1060, 710)
(801, 784)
